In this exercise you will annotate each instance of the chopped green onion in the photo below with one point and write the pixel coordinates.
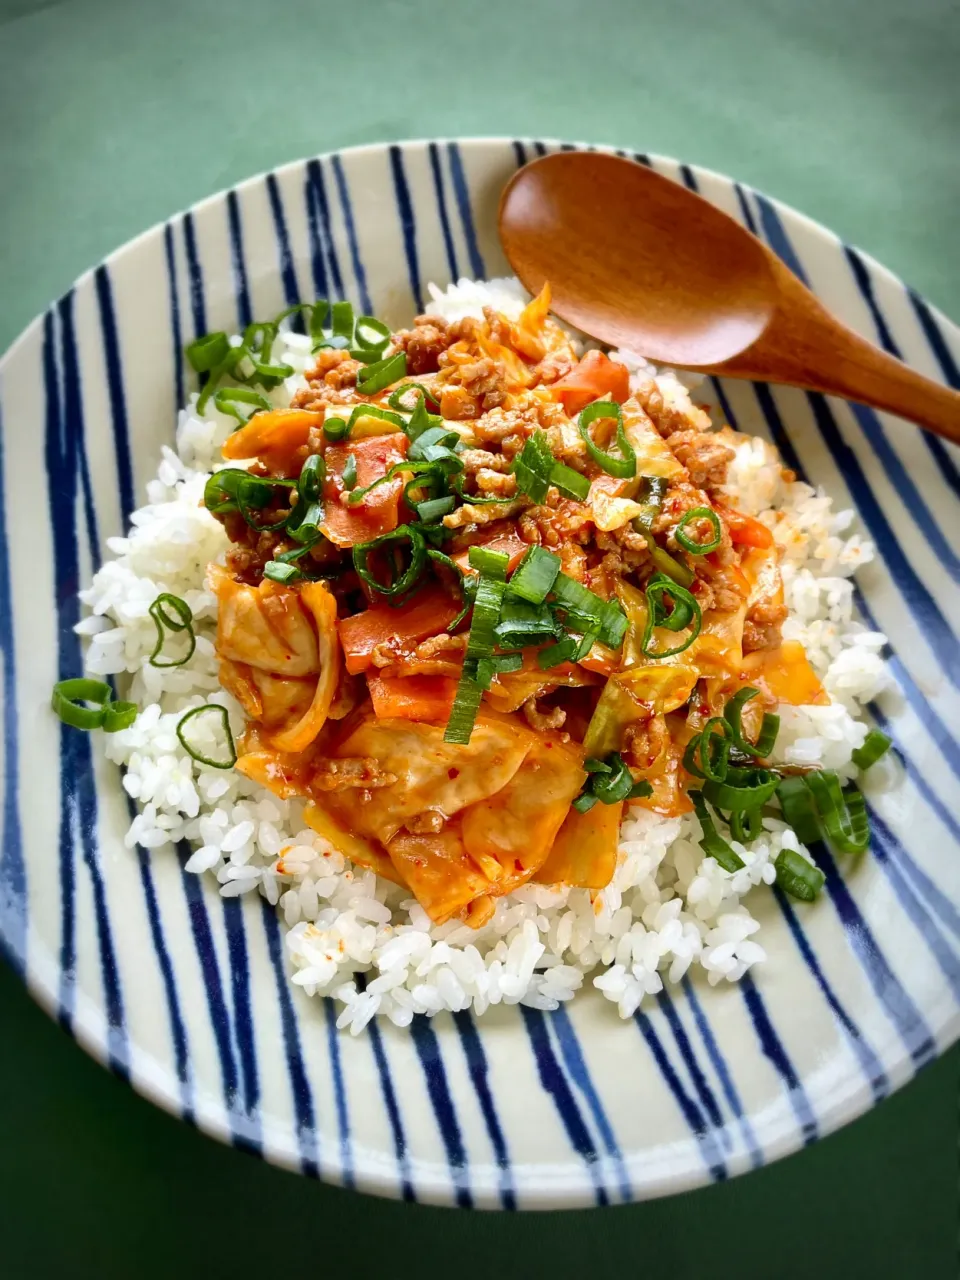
(533, 466)
(341, 321)
(535, 575)
(349, 476)
(304, 522)
(367, 325)
(587, 641)
(522, 624)
(612, 787)
(564, 650)
(690, 544)
(374, 411)
(310, 481)
(256, 492)
(654, 492)
(281, 571)
(492, 563)
(843, 814)
(798, 877)
(207, 351)
(486, 610)
(374, 377)
(334, 428)
(875, 745)
(613, 624)
(432, 436)
(395, 398)
(769, 727)
(624, 464)
(799, 809)
(712, 843)
(570, 483)
(297, 553)
(585, 802)
(435, 508)
(593, 765)
(439, 558)
(586, 610)
(752, 792)
(497, 664)
(391, 543)
(118, 715)
(225, 724)
(711, 748)
(463, 713)
(170, 613)
(685, 613)
(228, 397)
(746, 825)
(69, 695)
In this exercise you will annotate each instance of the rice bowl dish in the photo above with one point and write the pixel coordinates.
(666, 907)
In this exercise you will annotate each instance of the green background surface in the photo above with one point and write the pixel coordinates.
(117, 113)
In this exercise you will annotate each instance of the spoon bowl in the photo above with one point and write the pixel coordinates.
(641, 262)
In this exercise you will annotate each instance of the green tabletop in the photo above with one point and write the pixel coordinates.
(116, 113)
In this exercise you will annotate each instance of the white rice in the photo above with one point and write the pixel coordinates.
(668, 906)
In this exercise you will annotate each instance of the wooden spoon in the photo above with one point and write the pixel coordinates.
(640, 262)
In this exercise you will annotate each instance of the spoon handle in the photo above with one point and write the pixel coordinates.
(805, 346)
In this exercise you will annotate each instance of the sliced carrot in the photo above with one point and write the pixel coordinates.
(378, 512)
(428, 613)
(424, 698)
(273, 437)
(509, 542)
(595, 376)
(744, 529)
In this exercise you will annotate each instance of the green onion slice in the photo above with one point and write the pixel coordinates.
(334, 428)
(281, 571)
(535, 575)
(712, 843)
(875, 745)
(641, 790)
(612, 787)
(533, 466)
(207, 351)
(570, 483)
(585, 802)
(769, 727)
(746, 825)
(227, 398)
(492, 563)
(119, 715)
(70, 695)
(395, 398)
(341, 321)
(370, 333)
(438, 557)
(843, 814)
(374, 377)
(497, 664)
(753, 789)
(587, 611)
(798, 877)
(192, 751)
(486, 610)
(310, 481)
(374, 411)
(799, 809)
(564, 650)
(685, 613)
(523, 624)
(349, 475)
(391, 545)
(435, 508)
(708, 753)
(433, 437)
(690, 544)
(654, 490)
(170, 613)
(624, 464)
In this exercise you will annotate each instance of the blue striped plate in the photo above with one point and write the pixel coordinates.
(184, 994)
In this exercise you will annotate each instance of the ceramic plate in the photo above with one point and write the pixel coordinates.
(185, 994)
